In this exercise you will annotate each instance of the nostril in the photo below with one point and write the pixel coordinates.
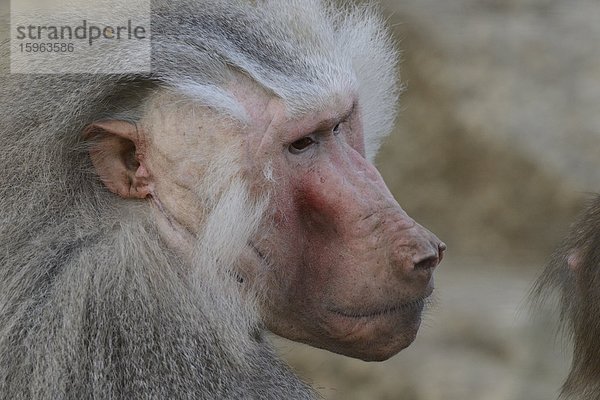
(427, 263)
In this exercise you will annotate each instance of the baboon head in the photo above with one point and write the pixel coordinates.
(230, 189)
(574, 272)
(344, 267)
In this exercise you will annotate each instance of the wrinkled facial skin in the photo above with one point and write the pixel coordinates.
(575, 271)
(351, 269)
(343, 266)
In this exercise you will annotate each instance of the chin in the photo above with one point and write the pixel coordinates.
(384, 349)
(375, 337)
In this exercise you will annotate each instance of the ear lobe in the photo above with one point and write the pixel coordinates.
(116, 156)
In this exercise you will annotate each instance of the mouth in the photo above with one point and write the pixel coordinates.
(414, 306)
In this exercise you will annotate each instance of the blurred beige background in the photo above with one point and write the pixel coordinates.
(497, 146)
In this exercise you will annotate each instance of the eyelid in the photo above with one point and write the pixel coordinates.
(328, 127)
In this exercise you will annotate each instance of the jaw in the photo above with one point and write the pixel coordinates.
(376, 336)
(373, 337)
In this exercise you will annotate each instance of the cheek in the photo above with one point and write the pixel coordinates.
(307, 240)
(297, 282)
(300, 227)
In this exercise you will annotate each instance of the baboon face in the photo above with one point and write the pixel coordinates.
(341, 265)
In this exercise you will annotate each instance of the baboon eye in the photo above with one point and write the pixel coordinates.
(337, 129)
(300, 146)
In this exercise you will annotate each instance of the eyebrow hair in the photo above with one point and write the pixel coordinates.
(213, 97)
(216, 98)
(340, 118)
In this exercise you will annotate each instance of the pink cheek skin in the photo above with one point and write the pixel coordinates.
(313, 201)
(343, 193)
(321, 200)
(305, 247)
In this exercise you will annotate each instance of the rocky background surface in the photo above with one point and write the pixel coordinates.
(496, 149)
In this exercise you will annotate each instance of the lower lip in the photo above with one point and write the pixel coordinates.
(413, 307)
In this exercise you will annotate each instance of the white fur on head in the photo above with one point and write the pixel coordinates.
(374, 60)
(214, 97)
(305, 58)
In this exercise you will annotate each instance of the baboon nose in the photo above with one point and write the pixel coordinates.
(442, 249)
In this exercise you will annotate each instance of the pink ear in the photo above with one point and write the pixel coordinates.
(115, 154)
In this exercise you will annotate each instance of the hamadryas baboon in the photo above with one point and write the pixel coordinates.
(154, 225)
